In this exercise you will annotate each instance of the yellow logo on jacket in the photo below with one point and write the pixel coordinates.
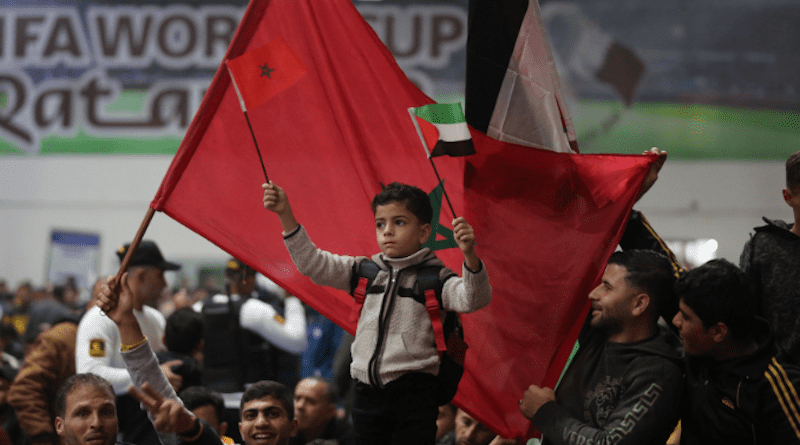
(97, 347)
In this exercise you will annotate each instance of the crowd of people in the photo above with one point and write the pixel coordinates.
(666, 356)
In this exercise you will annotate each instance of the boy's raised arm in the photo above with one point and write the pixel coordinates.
(465, 237)
(275, 199)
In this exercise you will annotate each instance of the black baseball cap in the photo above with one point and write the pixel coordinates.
(235, 266)
(147, 254)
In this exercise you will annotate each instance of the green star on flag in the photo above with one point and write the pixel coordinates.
(447, 241)
(266, 70)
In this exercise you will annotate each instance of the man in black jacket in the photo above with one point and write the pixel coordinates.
(625, 380)
(771, 260)
(737, 391)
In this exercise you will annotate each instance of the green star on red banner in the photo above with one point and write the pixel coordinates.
(266, 70)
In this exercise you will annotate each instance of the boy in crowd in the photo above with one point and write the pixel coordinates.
(736, 389)
(395, 359)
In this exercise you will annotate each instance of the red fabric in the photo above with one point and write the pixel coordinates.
(266, 71)
(430, 134)
(545, 222)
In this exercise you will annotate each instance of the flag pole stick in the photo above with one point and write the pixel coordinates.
(260, 159)
(447, 198)
(135, 243)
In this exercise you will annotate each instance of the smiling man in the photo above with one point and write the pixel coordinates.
(267, 414)
(737, 391)
(624, 383)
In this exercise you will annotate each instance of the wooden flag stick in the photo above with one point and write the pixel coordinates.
(260, 159)
(135, 243)
(447, 198)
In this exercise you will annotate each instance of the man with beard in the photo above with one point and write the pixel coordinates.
(624, 383)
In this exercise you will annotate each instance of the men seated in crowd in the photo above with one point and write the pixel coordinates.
(625, 380)
(315, 409)
(737, 391)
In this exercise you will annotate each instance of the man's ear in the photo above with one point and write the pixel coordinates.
(719, 332)
(425, 233)
(787, 195)
(59, 426)
(223, 428)
(640, 304)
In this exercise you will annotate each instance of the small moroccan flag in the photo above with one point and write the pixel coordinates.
(442, 129)
(264, 72)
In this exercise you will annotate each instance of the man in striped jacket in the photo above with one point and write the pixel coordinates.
(737, 392)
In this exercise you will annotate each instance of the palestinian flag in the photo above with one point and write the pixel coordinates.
(442, 129)
(513, 92)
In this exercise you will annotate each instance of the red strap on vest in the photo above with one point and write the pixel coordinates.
(432, 305)
(359, 294)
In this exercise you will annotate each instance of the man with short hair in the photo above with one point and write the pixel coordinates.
(86, 411)
(267, 414)
(737, 391)
(623, 384)
(97, 347)
(315, 410)
(771, 259)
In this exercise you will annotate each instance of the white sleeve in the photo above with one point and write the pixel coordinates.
(288, 334)
(96, 343)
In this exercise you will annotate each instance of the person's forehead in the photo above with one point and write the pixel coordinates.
(85, 395)
(686, 309)
(310, 388)
(392, 209)
(266, 402)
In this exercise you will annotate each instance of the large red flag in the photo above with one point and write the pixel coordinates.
(342, 129)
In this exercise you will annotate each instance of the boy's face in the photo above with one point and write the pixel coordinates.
(398, 231)
(696, 339)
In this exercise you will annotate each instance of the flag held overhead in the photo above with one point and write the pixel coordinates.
(443, 129)
(264, 72)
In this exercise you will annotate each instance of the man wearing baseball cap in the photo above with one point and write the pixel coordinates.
(98, 344)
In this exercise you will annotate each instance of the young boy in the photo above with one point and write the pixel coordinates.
(771, 259)
(395, 360)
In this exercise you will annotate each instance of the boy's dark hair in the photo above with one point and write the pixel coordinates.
(184, 331)
(718, 291)
(415, 200)
(196, 396)
(78, 380)
(269, 388)
(331, 393)
(652, 273)
(793, 172)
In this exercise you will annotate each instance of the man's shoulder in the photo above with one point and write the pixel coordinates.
(94, 319)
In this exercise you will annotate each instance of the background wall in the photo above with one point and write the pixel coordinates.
(88, 126)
